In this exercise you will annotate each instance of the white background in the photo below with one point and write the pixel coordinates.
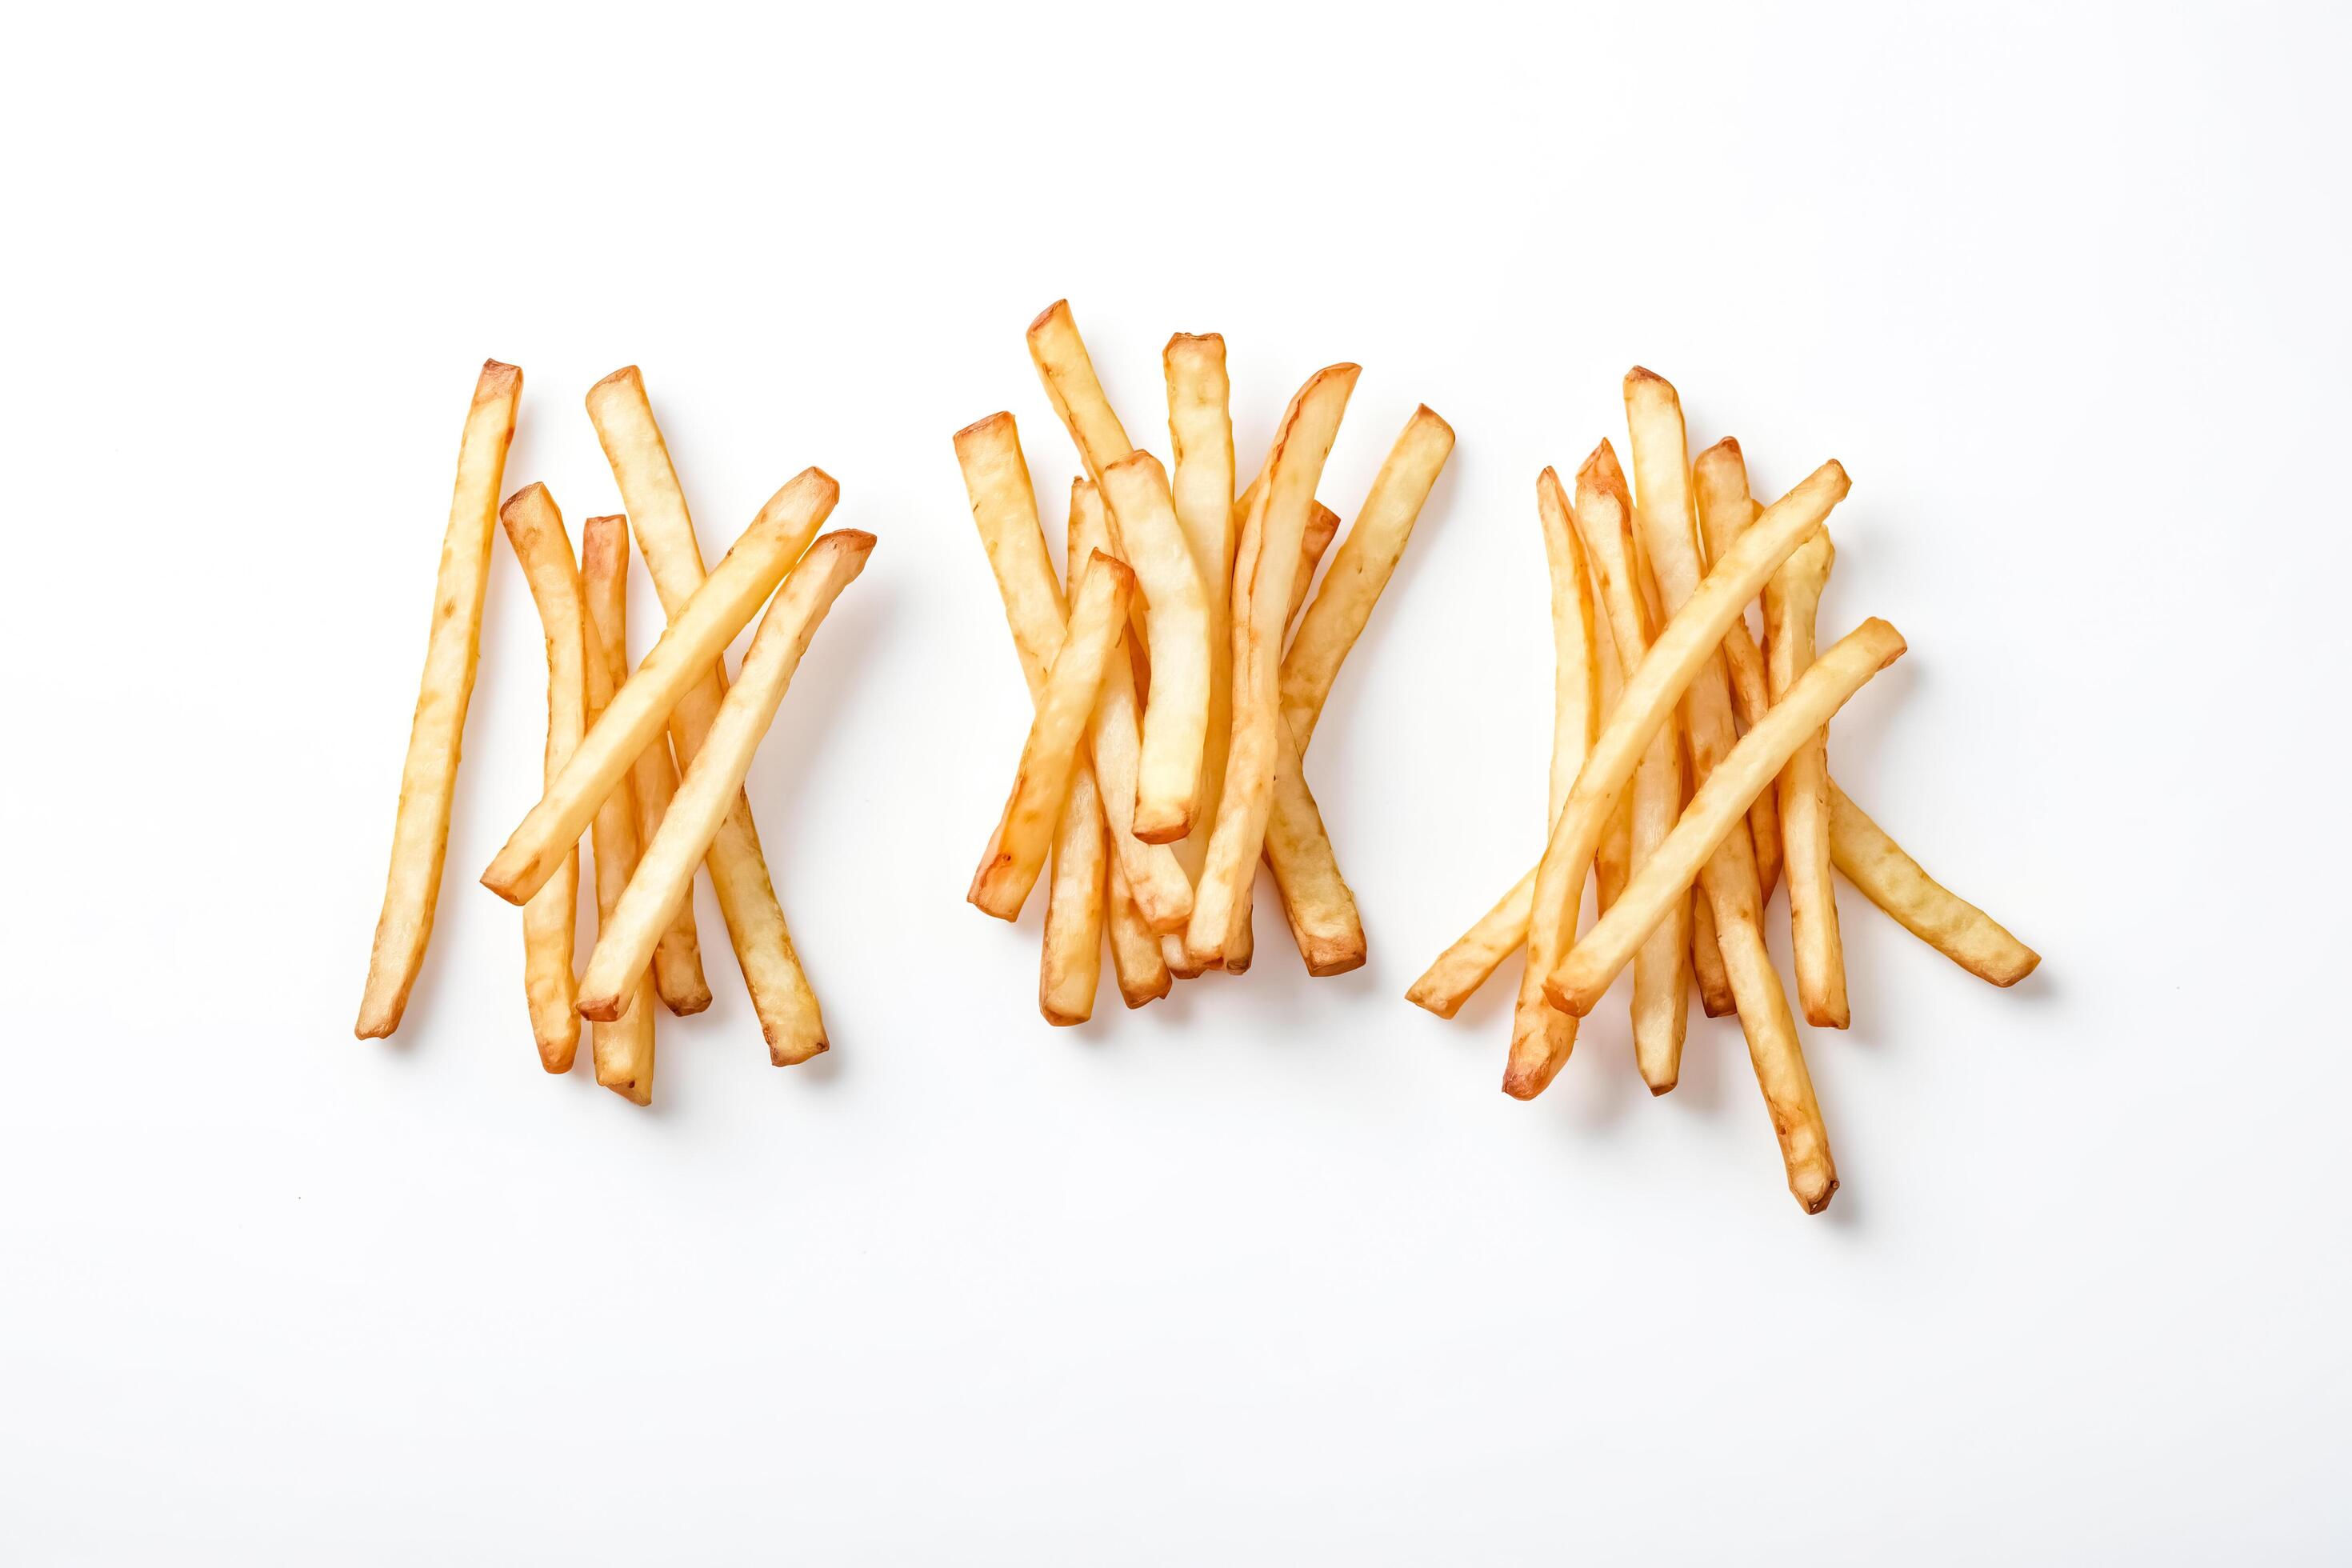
(1269, 1272)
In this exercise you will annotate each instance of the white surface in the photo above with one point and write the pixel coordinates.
(1269, 1272)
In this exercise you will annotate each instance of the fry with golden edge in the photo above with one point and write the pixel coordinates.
(708, 791)
(536, 530)
(1890, 879)
(1016, 851)
(653, 777)
(1176, 622)
(1201, 437)
(1719, 476)
(428, 775)
(780, 995)
(1791, 601)
(622, 1050)
(1264, 573)
(698, 632)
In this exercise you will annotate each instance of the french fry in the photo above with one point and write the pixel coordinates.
(1718, 806)
(782, 997)
(428, 775)
(1016, 851)
(1661, 1011)
(1889, 877)
(1135, 949)
(1067, 371)
(1613, 861)
(536, 530)
(1719, 476)
(622, 1050)
(1790, 600)
(1542, 1035)
(713, 781)
(1176, 618)
(1004, 510)
(1464, 966)
(700, 630)
(1322, 528)
(1201, 437)
(653, 777)
(1264, 573)
(1706, 961)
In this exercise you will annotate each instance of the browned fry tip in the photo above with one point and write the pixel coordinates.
(1001, 417)
(1058, 308)
(626, 372)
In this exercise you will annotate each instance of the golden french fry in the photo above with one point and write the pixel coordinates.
(1790, 600)
(1612, 862)
(428, 775)
(1068, 375)
(1648, 700)
(706, 793)
(1719, 475)
(1016, 851)
(653, 778)
(1135, 954)
(1890, 879)
(1069, 960)
(1176, 620)
(536, 530)
(698, 632)
(1719, 806)
(623, 1049)
(780, 995)
(1322, 528)
(1706, 963)
(1264, 573)
(1464, 967)
(1201, 434)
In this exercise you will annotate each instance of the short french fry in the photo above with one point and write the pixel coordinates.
(1263, 577)
(712, 782)
(623, 1049)
(698, 632)
(1890, 879)
(1322, 528)
(1464, 967)
(536, 530)
(428, 776)
(1176, 618)
(782, 997)
(1706, 963)
(1201, 436)
(1790, 600)
(1719, 475)
(1135, 954)
(653, 777)
(1070, 955)
(1016, 852)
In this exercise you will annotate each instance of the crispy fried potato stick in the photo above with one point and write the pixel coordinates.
(1264, 573)
(428, 776)
(1890, 879)
(1661, 1011)
(1135, 949)
(1790, 600)
(1004, 510)
(1322, 528)
(1176, 621)
(1719, 475)
(1706, 963)
(1718, 806)
(1613, 861)
(1017, 850)
(623, 1050)
(536, 530)
(653, 778)
(698, 632)
(1201, 434)
(1067, 371)
(1542, 1035)
(708, 791)
(780, 995)
(1150, 872)
(1649, 698)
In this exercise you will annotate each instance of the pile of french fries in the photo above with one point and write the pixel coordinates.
(1690, 774)
(648, 764)
(1163, 759)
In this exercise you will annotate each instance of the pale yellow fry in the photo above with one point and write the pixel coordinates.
(1024, 832)
(623, 1049)
(1154, 877)
(1201, 434)
(782, 997)
(536, 530)
(1718, 806)
(1648, 700)
(428, 775)
(1719, 476)
(1176, 622)
(653, 777)
(1890, 879)
(1068, 375)
(1322, 528)
(1542, 1035)
(1464, 967)
(1135, 955)
(1262, 576)
(706, 793)
(698, 632)
(1791, 601)
(1005, 510)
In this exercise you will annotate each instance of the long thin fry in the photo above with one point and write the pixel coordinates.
(1706, 963)
(1890, 879)
(1612, 862)
(1176, 618)
(1719, 476)
(1790, 600)
(428, 775)
(781, 995)
(653, 777)
(1201, 437)
(706, 793)
(1067, 371)
(536, 531)
(700, 630)
(623, 1049)
(1322, 528)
